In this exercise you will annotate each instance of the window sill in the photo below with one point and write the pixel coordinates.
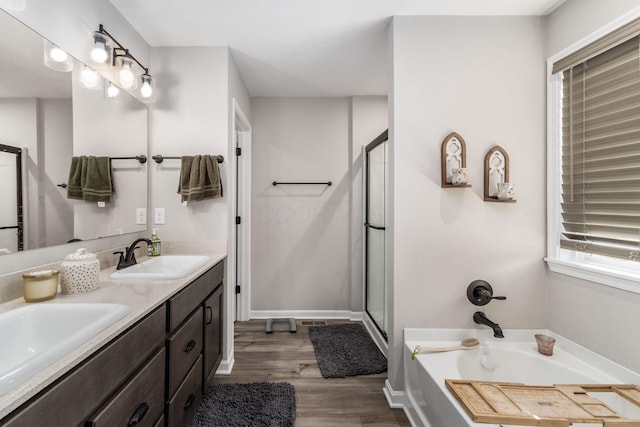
(616, 278)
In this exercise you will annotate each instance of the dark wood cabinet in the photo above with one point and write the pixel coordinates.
(212, 335)
(153, 374)
(71, 400)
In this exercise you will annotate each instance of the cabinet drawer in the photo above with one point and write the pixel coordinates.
(140, 402)
(183, 303)
(184, 347)
(71, 400)
(184, 404)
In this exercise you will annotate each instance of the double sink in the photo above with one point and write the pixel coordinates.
(36, 335)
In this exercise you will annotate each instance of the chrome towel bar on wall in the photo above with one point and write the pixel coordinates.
(301, 183)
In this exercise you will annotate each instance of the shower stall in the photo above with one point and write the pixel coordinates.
(11, 215)
(375, 167)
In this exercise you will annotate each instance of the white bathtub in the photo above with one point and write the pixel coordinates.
(429, 403)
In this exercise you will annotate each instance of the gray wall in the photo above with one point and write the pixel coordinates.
(482, 77)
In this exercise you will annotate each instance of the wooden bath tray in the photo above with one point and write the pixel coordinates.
(553, 406)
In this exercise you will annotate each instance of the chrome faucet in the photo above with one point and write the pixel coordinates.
(481, 319)
(128, 258)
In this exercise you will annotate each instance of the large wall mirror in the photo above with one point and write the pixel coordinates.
(46, 118)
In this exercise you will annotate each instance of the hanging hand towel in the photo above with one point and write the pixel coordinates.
(199, 178)
(97, 184)
(74, 184)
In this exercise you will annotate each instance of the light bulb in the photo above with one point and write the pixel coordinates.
(89, 78)
(112, 90)
(99, 52)
(146, 90)
(58, 54)
(125, 75)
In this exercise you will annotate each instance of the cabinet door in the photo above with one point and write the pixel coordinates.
(212, 334)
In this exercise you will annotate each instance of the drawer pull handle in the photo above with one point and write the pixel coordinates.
(189, 401)
(209, 315)
(139, 414)
(190, 346)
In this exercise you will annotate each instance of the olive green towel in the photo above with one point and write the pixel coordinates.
(199, 178)
(90, 179)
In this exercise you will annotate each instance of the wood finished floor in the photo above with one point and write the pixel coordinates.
(285, 356)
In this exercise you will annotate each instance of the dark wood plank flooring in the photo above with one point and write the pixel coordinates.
(285, 356)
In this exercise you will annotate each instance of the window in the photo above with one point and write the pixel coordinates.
(594, 152)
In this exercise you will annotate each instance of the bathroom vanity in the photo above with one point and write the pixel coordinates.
(149, 369)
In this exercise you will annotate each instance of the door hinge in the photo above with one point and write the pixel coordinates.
(238, 151)
(238, 220)
(237, 289)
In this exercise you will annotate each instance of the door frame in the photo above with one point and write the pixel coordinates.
(242, 131)
(384, 136)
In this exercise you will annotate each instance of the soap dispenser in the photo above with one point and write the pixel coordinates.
(155, 248)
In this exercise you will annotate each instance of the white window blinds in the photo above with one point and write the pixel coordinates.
(601, 153)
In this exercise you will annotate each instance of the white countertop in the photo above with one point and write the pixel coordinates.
(141, 296)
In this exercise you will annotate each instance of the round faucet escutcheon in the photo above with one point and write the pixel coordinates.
(480, 292)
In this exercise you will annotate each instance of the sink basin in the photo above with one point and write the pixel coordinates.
(34, 336)
(162, 267)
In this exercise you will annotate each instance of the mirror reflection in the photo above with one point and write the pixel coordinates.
(49, 115)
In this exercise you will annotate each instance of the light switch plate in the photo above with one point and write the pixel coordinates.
(141, 216)
(159, 216)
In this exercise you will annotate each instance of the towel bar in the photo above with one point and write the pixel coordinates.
(159, 158)
(141, 158)
(302, 183)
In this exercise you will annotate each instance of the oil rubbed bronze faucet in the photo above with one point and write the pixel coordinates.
(128, 258)
(481, 319)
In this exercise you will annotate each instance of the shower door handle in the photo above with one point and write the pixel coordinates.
(375, 227)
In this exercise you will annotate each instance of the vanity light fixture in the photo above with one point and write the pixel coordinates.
(89, 78)
(99, 52)
(56, 58)
(147, 89)
(109, 54)
(112, 90)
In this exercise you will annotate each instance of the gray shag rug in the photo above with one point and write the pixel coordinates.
(259, 404)
(346, 350)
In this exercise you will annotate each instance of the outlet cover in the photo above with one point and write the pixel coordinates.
(141, 216)
(159, 216)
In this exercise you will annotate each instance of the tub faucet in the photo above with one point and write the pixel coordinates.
(129, 257)
(481, 319)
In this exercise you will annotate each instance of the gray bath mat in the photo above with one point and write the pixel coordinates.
(247, 405)
(346, 350)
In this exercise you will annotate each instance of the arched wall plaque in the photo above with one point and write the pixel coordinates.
(453, 156)
(496, 170)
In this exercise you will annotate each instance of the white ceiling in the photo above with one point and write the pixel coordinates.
(301, 47)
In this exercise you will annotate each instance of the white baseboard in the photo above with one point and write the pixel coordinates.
(226, 366)
(394, 398)
(306, 314)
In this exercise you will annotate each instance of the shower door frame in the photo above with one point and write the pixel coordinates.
(19, 206)
(383, 137)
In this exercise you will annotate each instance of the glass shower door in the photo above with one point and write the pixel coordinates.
(11, 229)
(374, 227)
